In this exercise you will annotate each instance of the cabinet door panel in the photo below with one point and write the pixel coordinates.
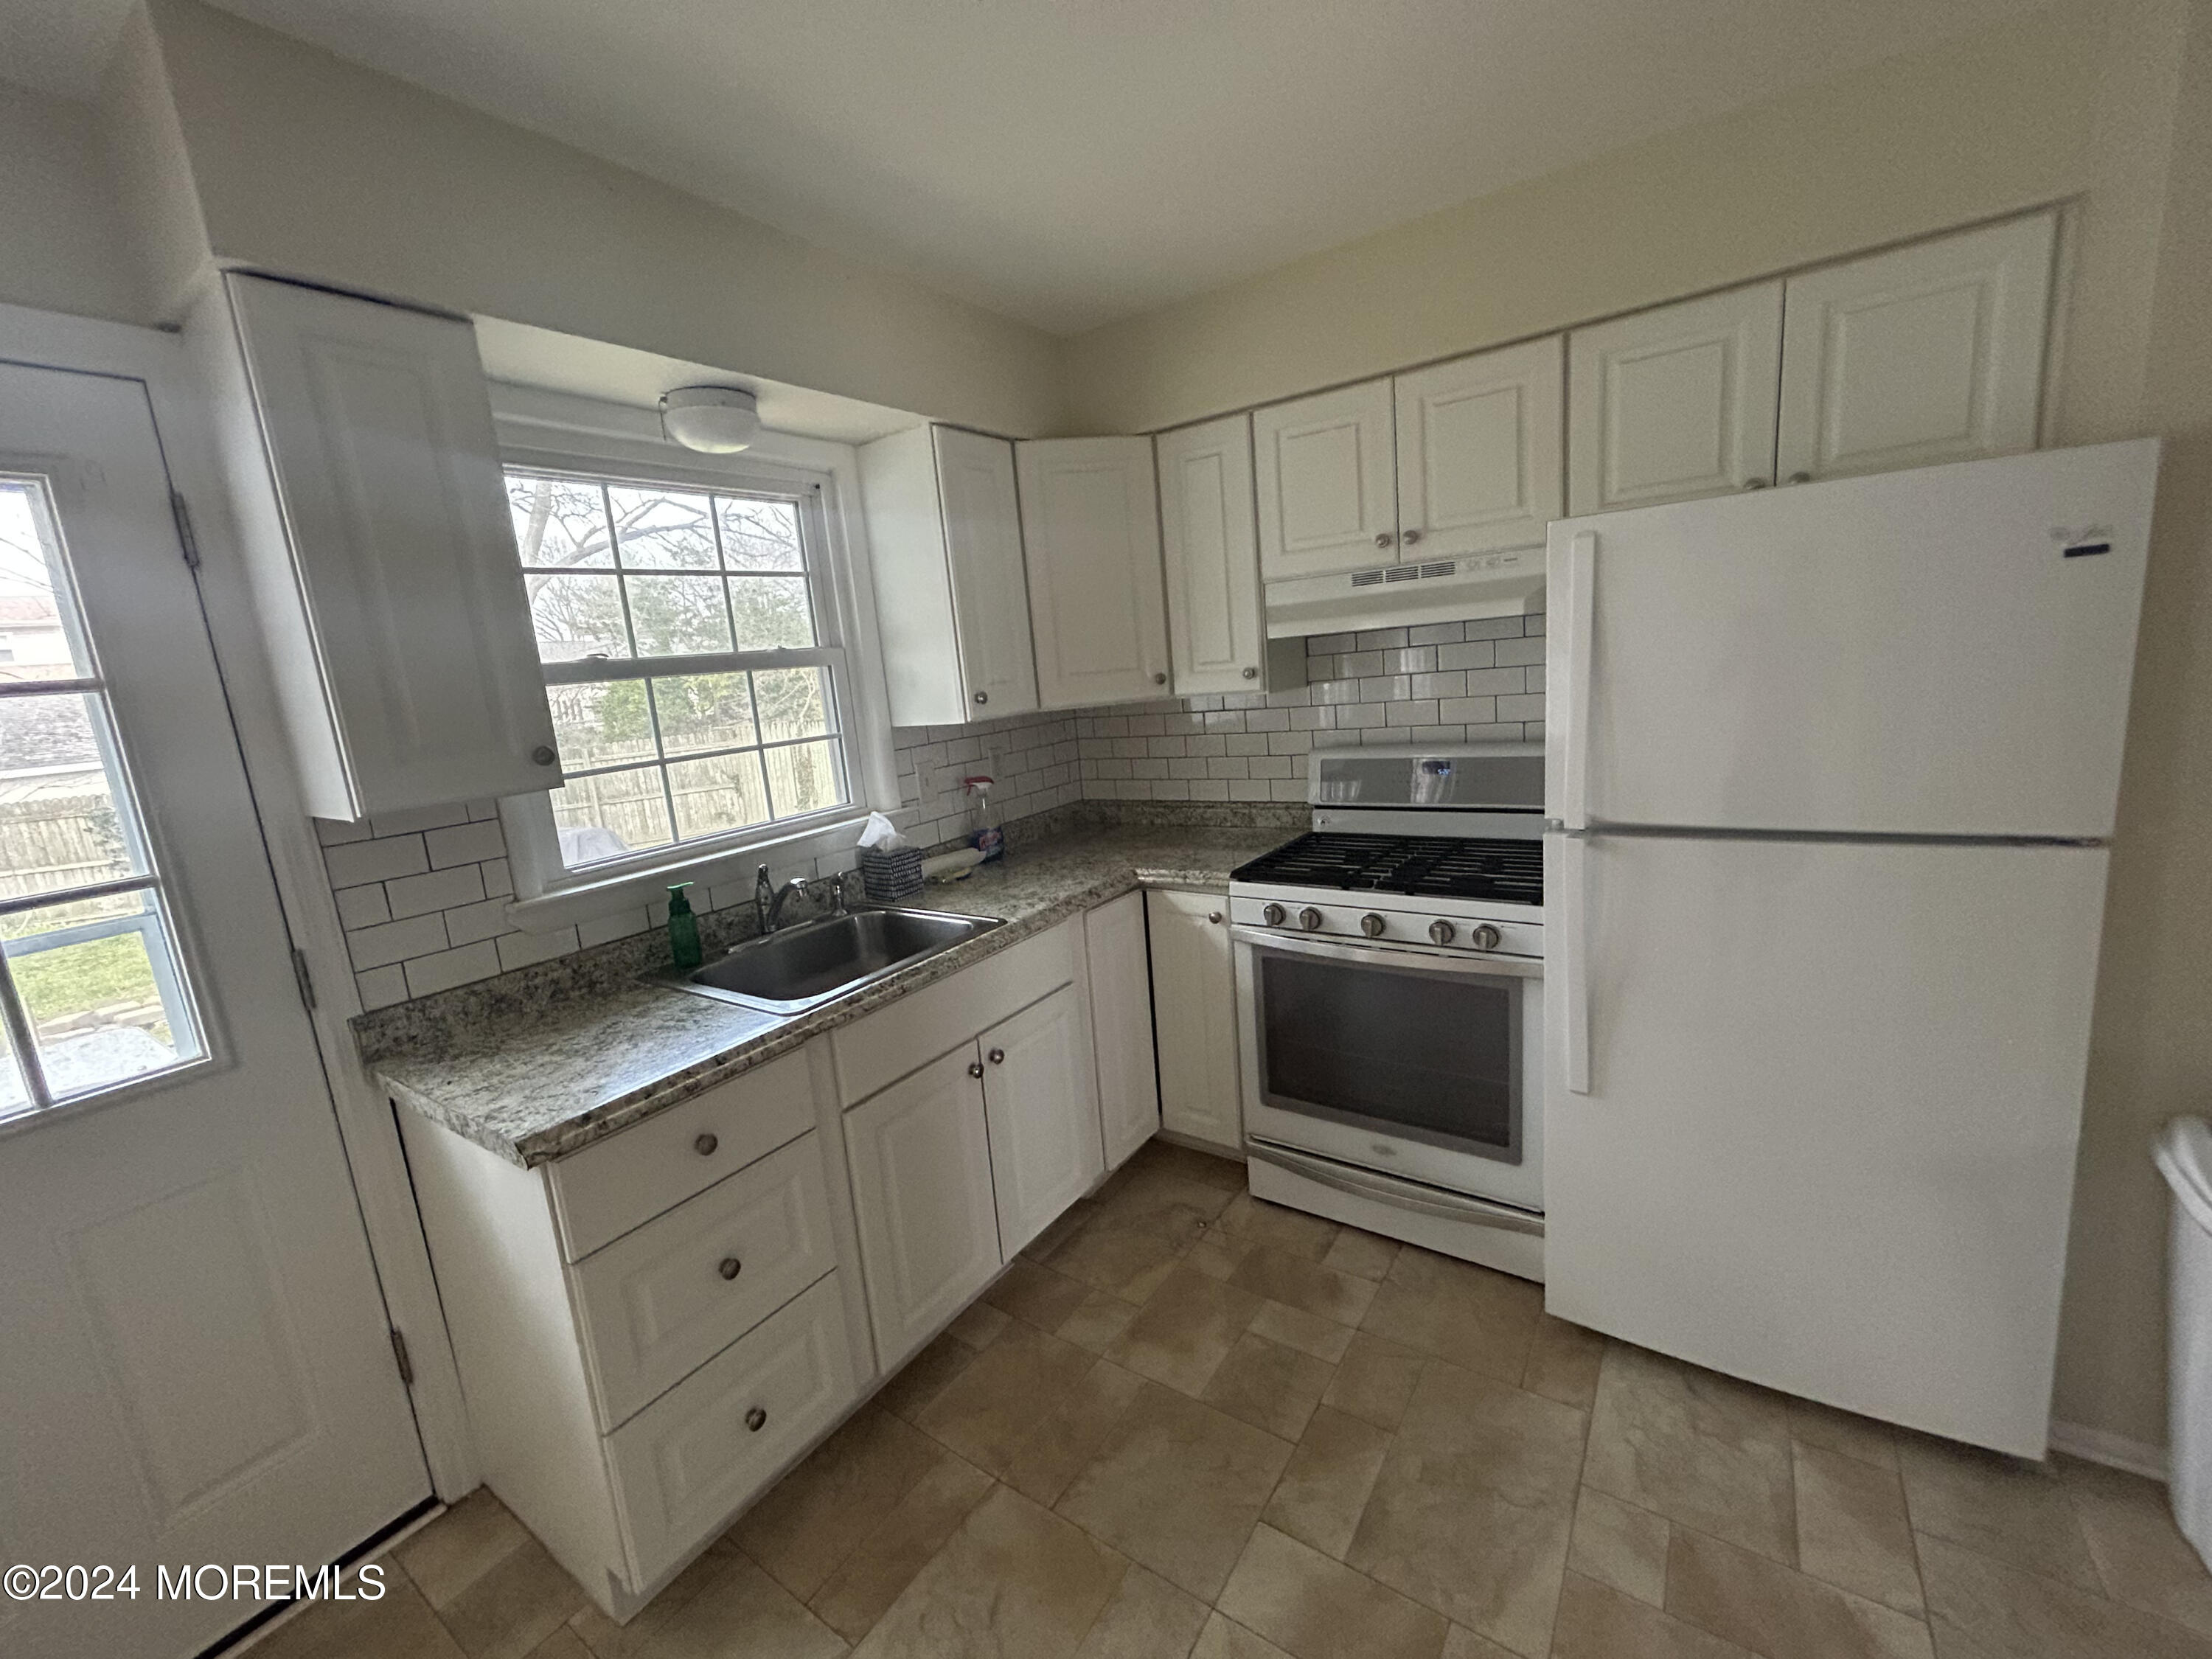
(1923, 355)
(1479, 460)
(1042, 1101)
(1675, 402)
(1090, 536)
(1327, 484)
(1194, 1017)
(921, 1185)
(1210, 535)
(990, 593)
(1122, 1026)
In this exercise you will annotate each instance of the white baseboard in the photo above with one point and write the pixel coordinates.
(2114, 1451)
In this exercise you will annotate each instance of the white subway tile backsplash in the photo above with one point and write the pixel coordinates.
(520, 949)
(380, 988)
(1529, 708)
(1519, 652)
(465, 843)
(1491, 682)
(467, 923)
(361, 861)
(441, 889)
(420, 817)
(362, 907)
(448, 969)
(1477, 654)
(395, 941)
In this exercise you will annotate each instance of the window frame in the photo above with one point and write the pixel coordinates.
(549, 433)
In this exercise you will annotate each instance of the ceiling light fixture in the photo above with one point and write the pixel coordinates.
(716, 420)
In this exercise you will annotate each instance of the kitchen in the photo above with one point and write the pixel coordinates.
(1714, 1090)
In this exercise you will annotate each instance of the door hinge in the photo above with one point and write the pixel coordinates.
(400, 1353)
(307, 980)
(185, 537)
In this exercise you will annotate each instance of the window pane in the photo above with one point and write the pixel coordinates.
(722, 792)
(807, 777)
(601, 724)
(759, 535)
(771, 610)
(59, 826)
(100, 981)
(662, 529)
(611, 814)
(677, 615)
(577, 616)
(40, 636)
(703, 711)
(14, 1093)
(794, 702)
(561, 522)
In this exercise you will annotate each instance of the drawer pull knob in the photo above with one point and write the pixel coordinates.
(974, 1068)
(997, 1056)
(756, 1419)
(705, 1146)
(730, 1267)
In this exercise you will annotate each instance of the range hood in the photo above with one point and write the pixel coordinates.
(1507, 583)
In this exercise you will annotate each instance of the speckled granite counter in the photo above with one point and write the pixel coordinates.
(538, 1087)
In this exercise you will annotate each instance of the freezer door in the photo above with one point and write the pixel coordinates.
(1945, 651)
(1811, 1112)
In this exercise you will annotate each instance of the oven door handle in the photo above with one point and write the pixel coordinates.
(1388, 1189)
(1389, 956)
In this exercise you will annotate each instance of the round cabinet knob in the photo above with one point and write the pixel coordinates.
(756, 1421)
(730, 1267)
(1272, 916)
(1214, 916)
(544, 754)
(1410, 537)
(997, 1056)
(1251, 673)
(1159, 679)
(974, 1068)
(1486, 937)
(1442, 932)
(705, 1146)
(1383, 539)
(1372, 924)
(1801, 478)
(983, 697)
(1754, 484)
(1310, 919)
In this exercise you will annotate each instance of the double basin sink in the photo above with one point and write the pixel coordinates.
(802, 967)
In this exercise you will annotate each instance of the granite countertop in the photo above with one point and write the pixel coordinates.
(539, 1087)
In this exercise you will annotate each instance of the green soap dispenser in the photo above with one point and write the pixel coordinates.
(683, 929)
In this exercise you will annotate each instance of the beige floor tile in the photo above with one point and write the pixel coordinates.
(1852, 1530)
(460, 1547)
(1225, 1638)
(1325, 1486)
(1982, 1609)
(978, 1325)
(1780, 1613)
(1037, 1295)
(1071, 1222)
(563, 1644)
(1294, 1328)
(1620, 1546)
(2140, 1554)
(1843, 1431)
(605, 1639)
(1015, 1582)
(1702, 1449)
(1464, 1644)
(398, 1626)
(811, 1520)
(1157, 1199)
(2018, 1512)
(1362, 1255)
(1268, 1385)
(1292, 1231)
(1097, 1321)
(1315, 1607)
(1279, 1276)
(1148, 1618)
(1073, 1429)
(1471, 1510)
(514, 1607)
(924, 1377)
(1482, 1321)
(1177, 1487)
(990, 1410)
(1598, 1622)
(744, 1611)
(1374, 1380)
(1209, 1169)
(1182, 1335)
(884, 1563)
(1121, 1260)
(1218, 1255)
(1563, 1362)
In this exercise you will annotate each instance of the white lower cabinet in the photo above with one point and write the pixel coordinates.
(1122, 1026)
(1194, 1017)
(1040, 1098)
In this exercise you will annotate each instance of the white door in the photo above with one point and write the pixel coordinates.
(1090, 534)
(1675, 402)
(1929, 353)
(921, 1153)
(1327, 484)
(1946, 651)
(1042, 1097)
(1122, 1026)
(990, 594)
(1194, 1017)
(1209, 534)
(1833, 1094)
(1480, 451)
(196, 1365)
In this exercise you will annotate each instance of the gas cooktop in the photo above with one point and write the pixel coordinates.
(1427, 866)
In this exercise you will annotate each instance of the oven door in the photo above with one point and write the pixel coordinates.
(1423, 1064)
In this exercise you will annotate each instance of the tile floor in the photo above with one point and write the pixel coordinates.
(1188, 1425)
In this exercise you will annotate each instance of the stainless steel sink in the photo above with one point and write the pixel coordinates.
(796, 968)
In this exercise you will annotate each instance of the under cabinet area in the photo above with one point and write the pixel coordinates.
(1195, 1019)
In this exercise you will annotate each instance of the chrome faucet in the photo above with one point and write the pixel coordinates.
(768, 901)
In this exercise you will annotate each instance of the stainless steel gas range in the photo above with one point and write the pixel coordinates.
(1390, 1001)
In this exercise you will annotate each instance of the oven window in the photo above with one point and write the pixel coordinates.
(1435, 1056)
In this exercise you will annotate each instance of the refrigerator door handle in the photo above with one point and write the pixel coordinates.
(1575, 737)
(1574, 949)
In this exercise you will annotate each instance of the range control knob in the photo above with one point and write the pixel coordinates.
(1372, 925)
(1310, 919)
(1486, 937)
(1272, 916)
(1442, 932)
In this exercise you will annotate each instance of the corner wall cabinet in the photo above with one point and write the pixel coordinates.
(1195, 1019)
(1210, 542)
(1090, 540)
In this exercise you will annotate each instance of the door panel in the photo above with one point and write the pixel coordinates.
(1210, 537)
(990, 593)
(1090, 536)
(1480, 459)
(1327, 484)
(1042, 1101)
(1122, 1026)
(1194, 1017)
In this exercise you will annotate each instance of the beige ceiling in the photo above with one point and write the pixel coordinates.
(1070, 162)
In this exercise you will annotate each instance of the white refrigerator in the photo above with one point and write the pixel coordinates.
(1830, 772)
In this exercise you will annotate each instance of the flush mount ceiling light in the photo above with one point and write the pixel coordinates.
(716, 420)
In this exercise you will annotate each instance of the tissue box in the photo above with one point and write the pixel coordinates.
(886, 877)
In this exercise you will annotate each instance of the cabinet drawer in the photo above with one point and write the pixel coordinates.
(687, 1462)
(610, 1188)
(659, 1301)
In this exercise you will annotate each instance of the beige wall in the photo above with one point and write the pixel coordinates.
(63, 244)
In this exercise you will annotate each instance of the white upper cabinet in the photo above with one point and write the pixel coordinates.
(1209, 534)
(1328, 486)
(1925, 354)
(1675, 402)
(382, 560)
(1041, 1099)
(945, 535)
(1478, 451)
(1091, 531)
